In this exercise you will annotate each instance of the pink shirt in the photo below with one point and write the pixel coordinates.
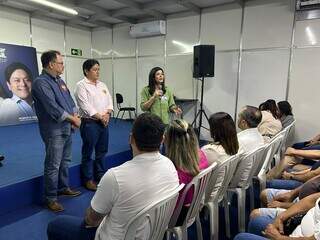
(185, 177)
(92, 98)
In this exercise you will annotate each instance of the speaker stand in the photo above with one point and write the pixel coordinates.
(200, 113)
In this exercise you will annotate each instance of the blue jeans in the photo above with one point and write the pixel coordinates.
(69, 228)
(283, 184)
(302, 145)
(94, 137)
(259, 224)
(248, 236)
(56, 172)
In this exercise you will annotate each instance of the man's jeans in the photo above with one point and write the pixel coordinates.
(248, 236)
(69, 228)
(283, 184)
(56, 172)
(94, 137)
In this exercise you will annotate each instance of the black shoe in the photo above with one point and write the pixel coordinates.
(1, 157)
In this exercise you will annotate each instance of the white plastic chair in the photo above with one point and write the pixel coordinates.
(287, 140)
(198, 185)
(252, 158)
(157, 215)
(264, 164)
(211, 203)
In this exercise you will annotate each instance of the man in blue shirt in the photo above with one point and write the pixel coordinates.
(56, 112)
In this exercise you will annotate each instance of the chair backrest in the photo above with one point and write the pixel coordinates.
(271, 149)
(290, 134)
(119, 99)
(226, 170)
(246, 168)
(154, 218)
(198, 185)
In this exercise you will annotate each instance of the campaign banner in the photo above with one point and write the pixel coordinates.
(18, 69)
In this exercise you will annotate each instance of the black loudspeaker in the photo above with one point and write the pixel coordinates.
(203, 61)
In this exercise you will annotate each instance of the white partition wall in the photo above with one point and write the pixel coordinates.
(222, 27)
(47, 35)
(125, 80)
(263, 76)
(102, 43)
(265, 56)
(15, 27)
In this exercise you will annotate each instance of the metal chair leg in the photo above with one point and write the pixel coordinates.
(123, 114)
(199, 228)
(226, 203)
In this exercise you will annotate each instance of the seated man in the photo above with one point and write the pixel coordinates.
(249, 139)
(293, 157)
(273, 228)
(277, 199)
(124, 190)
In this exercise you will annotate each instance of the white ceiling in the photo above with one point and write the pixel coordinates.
(97, 13)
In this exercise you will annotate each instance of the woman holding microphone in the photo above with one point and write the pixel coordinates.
(157, 98)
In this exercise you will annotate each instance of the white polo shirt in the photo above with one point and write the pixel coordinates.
(92, 98)
(125, 190)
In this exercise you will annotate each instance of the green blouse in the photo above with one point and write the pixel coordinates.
(161, 106)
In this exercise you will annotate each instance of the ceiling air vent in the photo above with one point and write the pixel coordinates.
(308, 4)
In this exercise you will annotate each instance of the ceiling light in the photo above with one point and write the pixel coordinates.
(56, 6)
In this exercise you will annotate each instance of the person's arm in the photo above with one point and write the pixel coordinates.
(278, 204)
(103, 199)
(273, 233)
(147, 103)
(93, 218)
(288, 196)
(309, 154)
(44, 94)
(307, 176)
(302, 206)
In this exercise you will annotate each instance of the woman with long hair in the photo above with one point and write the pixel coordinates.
(157, 98)
(224, 144)
(270, 123)
(286, 115)
(182, 148)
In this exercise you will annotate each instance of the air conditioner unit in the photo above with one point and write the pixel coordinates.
(308, 4)
(148, 29)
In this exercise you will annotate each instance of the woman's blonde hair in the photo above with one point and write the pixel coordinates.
(182, 146)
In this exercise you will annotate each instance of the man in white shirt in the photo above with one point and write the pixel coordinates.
(95, 106)
(125, 190)
(249, 139)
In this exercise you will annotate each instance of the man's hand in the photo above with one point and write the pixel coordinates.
(105, 119)
(286, 175)
(76, 121)
(272, 232)
(290, 151)
(278, 224)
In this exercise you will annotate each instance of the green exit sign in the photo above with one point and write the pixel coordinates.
(76, 52)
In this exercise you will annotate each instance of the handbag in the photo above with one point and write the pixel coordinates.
(290, 224)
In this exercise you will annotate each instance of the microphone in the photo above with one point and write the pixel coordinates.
(160, 88)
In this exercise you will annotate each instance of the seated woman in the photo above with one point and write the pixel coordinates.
(225, 143)
(270, 124)
(285, 113)
(182, 148)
